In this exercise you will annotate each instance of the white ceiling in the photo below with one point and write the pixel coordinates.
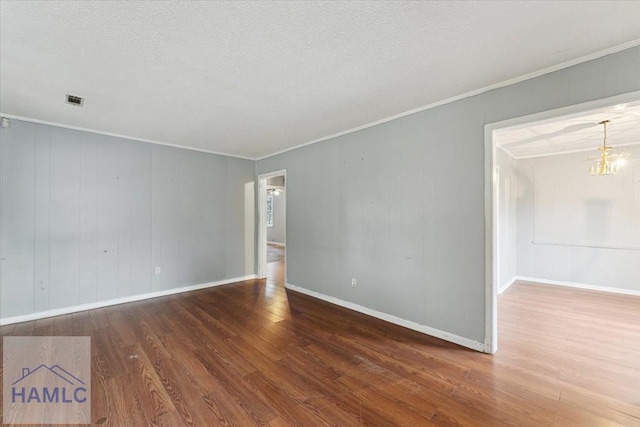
(576, 132)
(254, 78)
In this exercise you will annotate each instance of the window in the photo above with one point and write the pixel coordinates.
(269, 211)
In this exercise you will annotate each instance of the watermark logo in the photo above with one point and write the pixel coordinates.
(47, 380)
(71, 390)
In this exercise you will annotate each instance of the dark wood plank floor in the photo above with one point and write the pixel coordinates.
(253, 353)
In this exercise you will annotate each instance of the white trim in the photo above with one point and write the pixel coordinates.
(548, 70)
(282, 172)
(490, 246)
(584, 286)
(508, 284)
(250, 227)
(276, 244)
(117, 135)
(491, 288)
(465, 342)
(116, 301)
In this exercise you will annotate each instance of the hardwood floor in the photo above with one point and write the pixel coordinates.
(254, 353)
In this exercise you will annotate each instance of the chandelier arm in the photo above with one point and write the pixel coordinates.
(604, 165)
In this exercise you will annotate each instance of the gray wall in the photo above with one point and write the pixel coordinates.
(400, 206)
(507, 202)
(573, 227)
(277, 232)
(87, 218)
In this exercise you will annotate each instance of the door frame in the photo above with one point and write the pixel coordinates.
(262, 226)
(490, 196)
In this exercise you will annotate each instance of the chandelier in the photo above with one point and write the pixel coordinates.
(608, 162)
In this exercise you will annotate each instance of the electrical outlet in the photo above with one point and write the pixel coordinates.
(157, 271)
(354, 283)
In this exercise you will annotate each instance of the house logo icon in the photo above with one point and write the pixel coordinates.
(46, 380)
(48, 384)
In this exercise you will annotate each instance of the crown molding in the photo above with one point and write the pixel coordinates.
(548, 70)
(117, 135)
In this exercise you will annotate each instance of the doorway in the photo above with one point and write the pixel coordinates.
(272, 228)
(500, 252)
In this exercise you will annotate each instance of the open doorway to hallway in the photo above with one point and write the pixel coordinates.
(273, 225)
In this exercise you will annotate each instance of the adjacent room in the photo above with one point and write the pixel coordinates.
(566, 216)
(568, 245)
(320, 213)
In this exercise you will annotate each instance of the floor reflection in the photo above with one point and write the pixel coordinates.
(275, 269)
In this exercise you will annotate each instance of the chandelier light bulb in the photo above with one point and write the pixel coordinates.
(608, 163)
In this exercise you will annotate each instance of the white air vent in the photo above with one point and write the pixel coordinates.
(75, 100)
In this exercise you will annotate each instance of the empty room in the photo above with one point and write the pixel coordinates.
(313, 213)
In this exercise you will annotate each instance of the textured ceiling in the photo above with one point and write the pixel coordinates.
(577, 132)
(254, 78)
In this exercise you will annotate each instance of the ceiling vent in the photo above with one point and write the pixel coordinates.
(75, 100)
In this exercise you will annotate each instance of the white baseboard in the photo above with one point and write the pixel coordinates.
(506, 285)
(580, 286)
(465, 342)
(116, 301)
(275, 244)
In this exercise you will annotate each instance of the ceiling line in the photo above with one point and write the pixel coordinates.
(117, 135)
(559, 153)
(548, 70)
